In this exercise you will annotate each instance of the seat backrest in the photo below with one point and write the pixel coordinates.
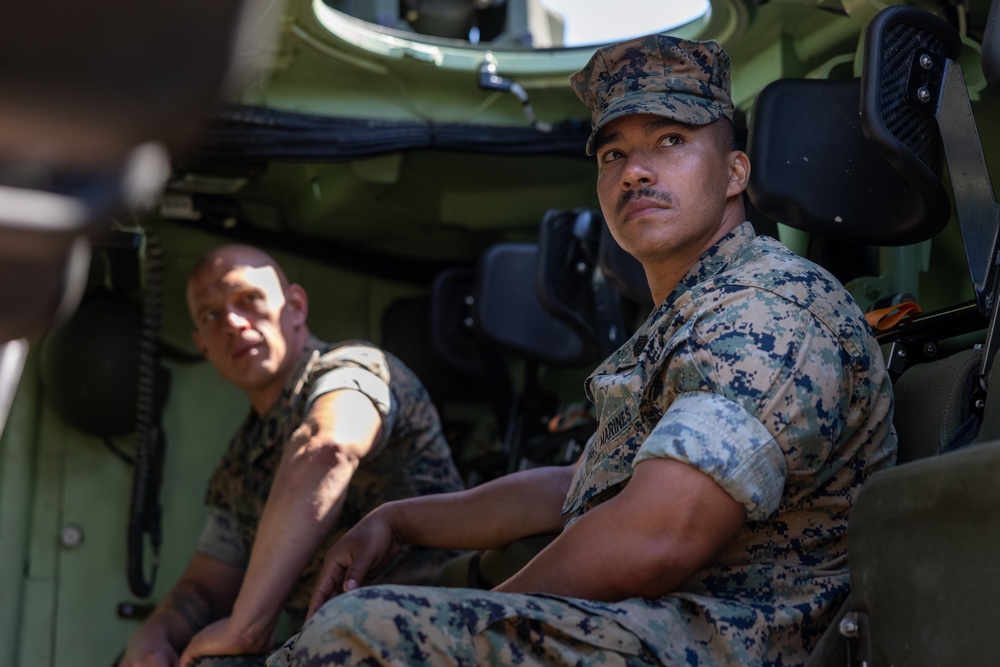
(509, 314)
(814, 169)
(451, 313)
(571, 285)
(623, 271)
(407, 334)
(921, 537)
(935, 409)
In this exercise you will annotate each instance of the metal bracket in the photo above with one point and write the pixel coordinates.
(854, 628)
(490, 79)
(937, 83)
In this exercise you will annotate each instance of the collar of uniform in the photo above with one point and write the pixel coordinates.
(710, 264)
(296, 379)
(293, 386)
(714, 260)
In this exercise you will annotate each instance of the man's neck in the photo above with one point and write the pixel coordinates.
(663, 276)
(264, 398)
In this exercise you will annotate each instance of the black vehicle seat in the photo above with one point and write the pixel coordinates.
(922, 536)
(409, 331)
(817, 169)
(571, 284)
(814, 169)
(508, 315)
(623, 271)
(585, 281)
(935, 406)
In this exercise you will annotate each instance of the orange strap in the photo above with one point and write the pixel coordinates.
(568, 419)
(887, 318)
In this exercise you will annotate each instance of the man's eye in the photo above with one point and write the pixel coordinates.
(611, 155)
(670, 140)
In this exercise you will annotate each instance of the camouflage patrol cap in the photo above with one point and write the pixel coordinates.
(680, 79)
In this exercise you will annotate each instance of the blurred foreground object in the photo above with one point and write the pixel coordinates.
(90, 91)
(89, 88)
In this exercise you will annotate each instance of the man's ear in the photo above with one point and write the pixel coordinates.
(739, 173)
(298, 301)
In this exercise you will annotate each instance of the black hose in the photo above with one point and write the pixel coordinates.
(144, 512)
(248, 133)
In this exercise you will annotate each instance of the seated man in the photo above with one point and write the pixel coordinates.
(706, 520)
(333, 432)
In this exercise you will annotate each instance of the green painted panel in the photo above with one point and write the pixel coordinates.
(36, 643)
(92, 575)
(201, 413)
(41, 584)
(16, 489)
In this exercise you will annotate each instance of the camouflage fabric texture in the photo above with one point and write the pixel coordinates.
(412, 459)
(760, 371)
(685, 80)
(417, 626)
(255, 660)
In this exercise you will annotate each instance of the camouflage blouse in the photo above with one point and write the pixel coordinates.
(411, 459)
(760, 371)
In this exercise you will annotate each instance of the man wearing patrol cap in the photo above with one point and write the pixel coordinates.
(705, 522)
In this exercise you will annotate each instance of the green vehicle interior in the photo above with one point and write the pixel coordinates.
(427, 184)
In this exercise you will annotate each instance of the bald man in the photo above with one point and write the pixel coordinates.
(334, 431)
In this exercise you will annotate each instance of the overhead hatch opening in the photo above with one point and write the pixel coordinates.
(453, 33)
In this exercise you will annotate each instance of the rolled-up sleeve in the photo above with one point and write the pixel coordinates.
(369, 384)
(721, 439)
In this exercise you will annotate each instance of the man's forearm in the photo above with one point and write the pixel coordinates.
(306, 499)
(185, 611)
(304, 503)
(668, 522)
(487, 516)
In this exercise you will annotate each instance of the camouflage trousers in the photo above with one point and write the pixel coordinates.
(416, 626)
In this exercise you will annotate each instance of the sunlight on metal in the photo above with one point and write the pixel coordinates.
(457, 55)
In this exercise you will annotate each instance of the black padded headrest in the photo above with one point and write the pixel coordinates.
(451, 316)
(509, 314)
(905, 133)
(991, 47)
(407, 332)
(813, 169)
(623, 271)
(570, 283)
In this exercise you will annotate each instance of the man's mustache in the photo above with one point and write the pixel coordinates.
(645, 192)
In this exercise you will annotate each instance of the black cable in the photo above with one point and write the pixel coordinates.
(118, 451)
(144, 511)
(242, 132)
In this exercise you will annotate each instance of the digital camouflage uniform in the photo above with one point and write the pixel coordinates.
(411, 459)
(760, 371)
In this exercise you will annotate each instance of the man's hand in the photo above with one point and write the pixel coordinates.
(359, 555)
(204, 592)
(220, 638)
(487, 516)
(149, 649)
